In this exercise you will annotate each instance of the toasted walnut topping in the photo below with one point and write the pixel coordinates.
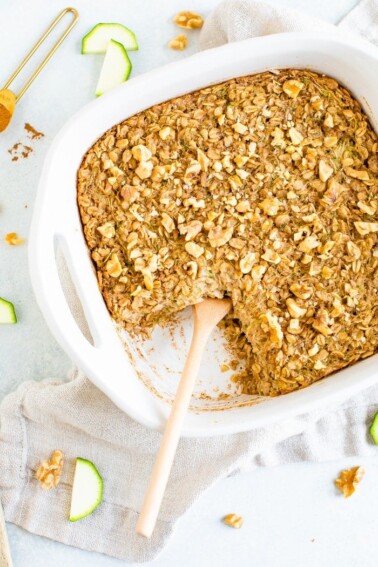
(309, 243)
(295, 310)
(270, 206)
(233, 520)
(292, 88)
(188, 20)
(295, 136)
(369, 209)
(166, 132)
(357, 174)
(275, 330)
(330, 141)
(219, 236)
(13, 239)
(271, 256)
(321, 322)
(247, 262)
(302, 291)
(107, 230)
(365, 228)
(141, 153)
(349, 479)
(191, 229)
(144, 169)
(113, 266)
(240, 128)
(179, 42)
(194, 249)
(167, 222)
(257, 272)
(325, 170)
(49, 472)
(328, 121)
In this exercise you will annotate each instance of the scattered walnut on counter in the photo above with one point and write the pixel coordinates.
(349, 479)
(13, 239)
(178, 43)
(188, 20)
(49, 472)
(233, 520)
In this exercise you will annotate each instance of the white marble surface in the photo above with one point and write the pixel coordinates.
(292, 514)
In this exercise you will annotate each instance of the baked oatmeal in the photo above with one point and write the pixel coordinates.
(263, 189)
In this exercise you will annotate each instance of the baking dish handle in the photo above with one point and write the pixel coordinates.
(53, 301)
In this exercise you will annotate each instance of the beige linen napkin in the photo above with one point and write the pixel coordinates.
(80, 420)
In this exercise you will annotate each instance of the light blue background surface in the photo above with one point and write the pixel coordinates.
(293, 515)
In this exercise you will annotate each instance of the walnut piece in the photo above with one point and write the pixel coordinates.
(13, 239)
(188, 20)
(233, 520)
(292, 88)
(349, 479)
(178, 43)
(49, 472)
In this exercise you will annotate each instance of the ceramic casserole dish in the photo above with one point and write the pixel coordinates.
(141, 377)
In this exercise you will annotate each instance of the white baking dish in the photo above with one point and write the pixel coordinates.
(142, 388)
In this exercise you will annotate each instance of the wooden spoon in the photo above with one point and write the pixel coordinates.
(5, 556)
(207, 315)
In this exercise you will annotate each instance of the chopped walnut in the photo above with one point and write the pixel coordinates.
(325, 170)
(233, 520)
(349, 479)
(13, 239)
(365, 228)
(292, 88)
(188, 20)
(179, 42)
(247, 262)
(295, 310)
(107, 230)
(49, 472)
(219, 236)
(194, 249)
(270, 206)
(113, 266)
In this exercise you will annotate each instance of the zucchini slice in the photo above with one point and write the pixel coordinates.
(116, 68)
(97, 40)
(86, 491)
(374, 429)
(7, 312)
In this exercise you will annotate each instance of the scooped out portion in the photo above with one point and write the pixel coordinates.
(263, 189)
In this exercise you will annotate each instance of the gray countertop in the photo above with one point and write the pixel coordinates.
(292, 514)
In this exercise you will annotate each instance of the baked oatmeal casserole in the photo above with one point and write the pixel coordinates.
(264, 189)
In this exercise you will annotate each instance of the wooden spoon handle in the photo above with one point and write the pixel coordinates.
(5, 556)
(163, 464)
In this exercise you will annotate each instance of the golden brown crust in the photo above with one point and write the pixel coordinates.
(263, 188)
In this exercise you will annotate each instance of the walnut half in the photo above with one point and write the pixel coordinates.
(349, 479)
(49, 472)
(233, 520)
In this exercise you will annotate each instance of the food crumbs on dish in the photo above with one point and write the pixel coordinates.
(233, 520)
(349, 479)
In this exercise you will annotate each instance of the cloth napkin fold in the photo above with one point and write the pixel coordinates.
(80, 420)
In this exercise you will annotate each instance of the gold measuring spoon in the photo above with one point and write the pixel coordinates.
(7, 97)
